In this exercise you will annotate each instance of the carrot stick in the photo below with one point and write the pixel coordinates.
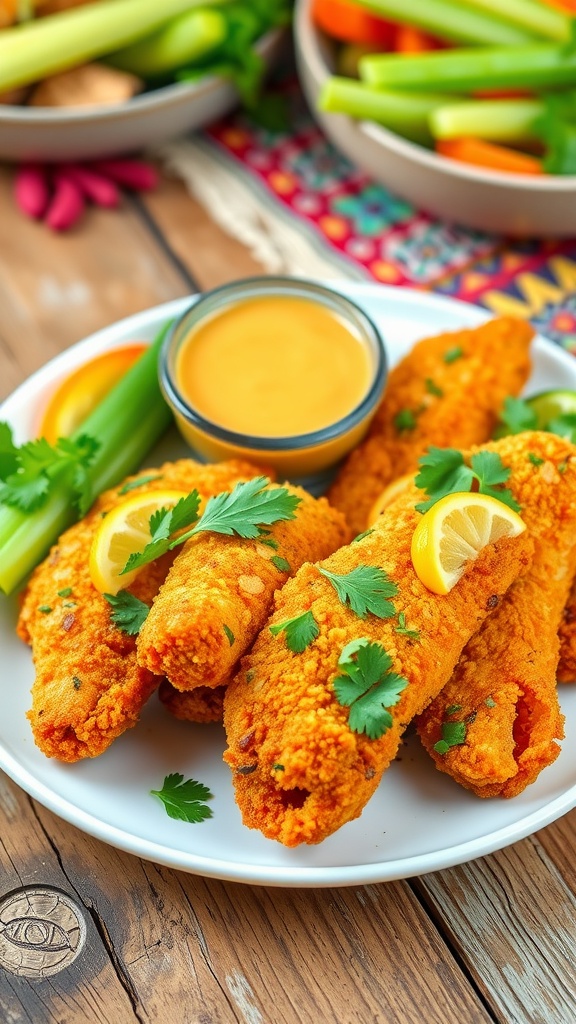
(349, 23)
(410, 39)
(487, 154)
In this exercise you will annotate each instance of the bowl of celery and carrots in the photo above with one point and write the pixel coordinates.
(467, 108)
(94, 78)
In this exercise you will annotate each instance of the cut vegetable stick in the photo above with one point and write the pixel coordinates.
(495, 120)
(450, 20)
(409, 39)
(405, 113)
(183, 40)
(486, 154)
(346, 21)
(531, 15)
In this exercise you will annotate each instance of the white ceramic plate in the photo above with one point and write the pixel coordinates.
(418, 821)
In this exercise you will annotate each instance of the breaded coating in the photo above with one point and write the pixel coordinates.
(89, 687)
(300, 772)
(504, 686)
(203, 704)
(219, 592)
(446, 392)
(567, 637)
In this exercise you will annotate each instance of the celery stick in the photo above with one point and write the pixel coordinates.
(126, 424)
(495, 120)
(38, 48)
(405, 113)
(531, 15)
(182, 40)
(463, 70)
(450, 20)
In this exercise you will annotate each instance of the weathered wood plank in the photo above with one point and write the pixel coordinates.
(56, 289)
(511, 918)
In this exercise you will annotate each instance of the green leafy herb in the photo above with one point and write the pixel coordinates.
(269, 542)
(140, 481)
(563, 466)
(66, 592)
(368, 687)
(535, 459)
(129, 613)
(402, 629)
(281, 564)
(229, 634)
(453, 735)
(76, 682)
(433, 388)
(453, 354)
(184, 801)
(361, 536)
(164, 523)
(250, 675)
(453, 709)
(300, 631)
(405, 420)
(28, 473)
(44, 608)
(279, 768)
(564, 426)
(365, 589)
(516, 417)
(490, 702)
(443, 471)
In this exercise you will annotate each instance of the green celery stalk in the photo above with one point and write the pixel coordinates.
(183, 40)
(33, 50)
(463, 70)
(404, 113)
(494, 120)
(531, 15)
(126, 423)
(452, 21)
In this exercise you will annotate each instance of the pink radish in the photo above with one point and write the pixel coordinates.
(31, 190)
(94, 186)
(67, 204)
(133, 174)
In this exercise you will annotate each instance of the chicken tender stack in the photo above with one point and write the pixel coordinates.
(300, 772)
(89, 687)
(504, 687)
(447, 392)
(219, 592)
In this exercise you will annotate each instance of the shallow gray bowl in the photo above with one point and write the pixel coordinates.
(510, 204)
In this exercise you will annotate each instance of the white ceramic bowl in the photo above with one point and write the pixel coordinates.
(80, 133)
(505, 203)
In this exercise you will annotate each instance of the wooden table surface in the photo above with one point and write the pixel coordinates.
(490, 941)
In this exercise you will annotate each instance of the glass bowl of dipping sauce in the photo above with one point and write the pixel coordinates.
(274, 369)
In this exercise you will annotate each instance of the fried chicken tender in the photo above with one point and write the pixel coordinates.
(203, 704)
(504, 686)
(446, 392)
(300, 772)
(218, 594)
(89, 687)
(567, 637)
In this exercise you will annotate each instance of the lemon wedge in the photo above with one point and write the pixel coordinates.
(124, 531)
(388, 495)
(454, 531)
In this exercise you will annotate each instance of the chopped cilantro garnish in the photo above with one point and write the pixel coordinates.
(28, 473)
(67, 592)
(229, 634)
(140, 481)
(279, 768)
(535, 459)
(563, 466)
(361, 536)
(368, 687)
(183, 801)
(443, 471)
(281, 564)
(44, 608)
(405, 420)
(516, 417)
(402, 629)
(490, 702)
(452, 709)
(365, 589)
(300, 631)
(76, 682)
(453, 735)
(269, 542)
(250, 675)
(453, 354)
(433, 388)
(564, 426)
(129, 613)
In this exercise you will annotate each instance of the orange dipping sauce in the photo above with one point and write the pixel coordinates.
(274, 366)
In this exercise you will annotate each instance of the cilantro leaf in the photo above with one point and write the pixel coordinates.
(229, 634)
(129, 613)
(564, 426)
(281, 564)
(368, 687)
(453, 735)
(516, 417)
(535, 459)
(452, 354)
(490, 472)
(28, 472)
(140, 481)
(433, 388)
(183, 801)
(300, 631)
(366, 589)
(8, 452)
(442, 471)
(405, 420)
(164, 522)
(402, 628)
(360, 536)
(246, 508)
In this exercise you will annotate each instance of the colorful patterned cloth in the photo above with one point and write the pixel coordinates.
(387, 239)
